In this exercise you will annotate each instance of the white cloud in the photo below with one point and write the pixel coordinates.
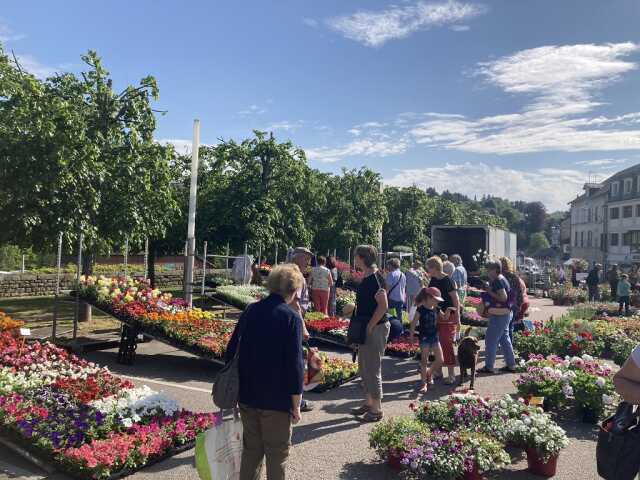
(355, 131)
(310, 22)
(560, 83)
(375, 28)
(252, 110)
(554, 187)
(284, 125)
(8, 35)
(460, 28)
(31, 65)
(361, 147)
(371, 125)
(602, 162)
(181, 145)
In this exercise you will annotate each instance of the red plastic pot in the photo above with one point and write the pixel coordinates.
(538, 467)
(393, 460)
(473, 474)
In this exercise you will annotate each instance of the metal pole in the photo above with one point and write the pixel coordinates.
(259, 255)
(126, 256)
(23, 262)
(226, 270)
(349, 256)
(77, 309)
(146, 258)
(275, 262)
(204, 267)
(335, 253)
(244, 261)
(54, 327)
(191, 226)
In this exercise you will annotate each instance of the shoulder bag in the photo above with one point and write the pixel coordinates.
(226, 387)
(618, 448)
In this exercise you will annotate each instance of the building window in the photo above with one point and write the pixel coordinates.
(637, 210)
(626, 239)
(638, 183)
(615, 189)
(582, 239)
(631, 238)
(614, 213)
(614, 240)
(627, 211)
(575, 241)
(628, 184)
(589, 238)
(603, 241)
(597, 212)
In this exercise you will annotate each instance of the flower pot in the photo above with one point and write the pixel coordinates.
(590, 416)
(473, 474)
(394, 461)
(538, 467)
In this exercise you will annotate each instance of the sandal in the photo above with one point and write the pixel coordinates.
(486, 370)
(361, 410)
(371, 417)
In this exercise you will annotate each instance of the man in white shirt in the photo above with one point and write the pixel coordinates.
(415, 281)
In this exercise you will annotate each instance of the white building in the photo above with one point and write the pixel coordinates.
(588, 211)
(623, 216)
(605, 220)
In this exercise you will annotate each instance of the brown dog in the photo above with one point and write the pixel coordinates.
(468, 356)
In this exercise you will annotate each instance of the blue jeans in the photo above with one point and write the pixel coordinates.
(498, 333)
(398, 306)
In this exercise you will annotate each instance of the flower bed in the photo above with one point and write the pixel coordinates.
(581, 382)
(402, 347)
(328, 328)
(470, 316)
(568, 295)
(463, 435)
(160, 315)
(86, 421)
(240, 296)
(336, 372)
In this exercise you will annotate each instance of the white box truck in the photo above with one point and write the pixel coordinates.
(466, 240)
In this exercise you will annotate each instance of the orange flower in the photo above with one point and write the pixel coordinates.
(8, 323)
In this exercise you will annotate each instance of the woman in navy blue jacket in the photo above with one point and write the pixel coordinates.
(271, 368)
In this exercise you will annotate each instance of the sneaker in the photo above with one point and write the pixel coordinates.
(486, 370)
(361, 410)
(306, 406)
(508, 369)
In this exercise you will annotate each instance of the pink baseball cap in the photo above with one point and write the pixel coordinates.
(435, 293)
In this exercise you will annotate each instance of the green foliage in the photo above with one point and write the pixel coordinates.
(388, 435)
(75, 155)
(537, 242)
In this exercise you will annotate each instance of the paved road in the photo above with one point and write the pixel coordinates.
(329, 443)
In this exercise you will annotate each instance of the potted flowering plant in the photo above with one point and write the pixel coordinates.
(542, 439)
(481, 455)
(593, 394)
(544, 382)
(387, 438)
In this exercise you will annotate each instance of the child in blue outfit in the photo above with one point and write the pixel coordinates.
(426, 317)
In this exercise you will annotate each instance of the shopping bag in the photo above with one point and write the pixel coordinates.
(313, 374)
(412, 312)
(618, 448)
(219, 450)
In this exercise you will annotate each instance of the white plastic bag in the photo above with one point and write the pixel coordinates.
(219, 451)
(412, 312)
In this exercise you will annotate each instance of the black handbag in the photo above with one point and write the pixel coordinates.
(618, 449)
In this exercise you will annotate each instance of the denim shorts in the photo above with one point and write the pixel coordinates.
(429, 342)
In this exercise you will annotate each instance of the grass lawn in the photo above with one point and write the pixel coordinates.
(37, 313)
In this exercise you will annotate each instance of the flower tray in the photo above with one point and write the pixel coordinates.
(329, 339)
(324, 387)
(53, 465)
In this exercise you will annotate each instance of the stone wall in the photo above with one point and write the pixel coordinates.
(32, 284)
(41, 284)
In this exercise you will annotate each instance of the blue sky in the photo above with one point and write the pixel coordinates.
(522, 99)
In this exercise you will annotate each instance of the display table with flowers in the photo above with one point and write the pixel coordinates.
(81, 419)
(240, 296)
(465, 436)
(158, 315)
(470, 316)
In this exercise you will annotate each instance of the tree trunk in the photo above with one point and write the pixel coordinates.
(88, 259)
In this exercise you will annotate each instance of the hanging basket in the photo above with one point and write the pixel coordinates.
(538, 467)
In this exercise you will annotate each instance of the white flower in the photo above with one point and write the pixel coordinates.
(567, 390)
(607, 399)
(587, 358)
(600, 382)
(522, 363)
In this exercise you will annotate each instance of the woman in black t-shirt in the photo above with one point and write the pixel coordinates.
(372, 304)
(450, 306)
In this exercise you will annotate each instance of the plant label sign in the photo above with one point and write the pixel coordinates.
(25, 332)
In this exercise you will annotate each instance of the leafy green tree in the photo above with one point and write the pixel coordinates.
(77, 156)
(537, 242)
